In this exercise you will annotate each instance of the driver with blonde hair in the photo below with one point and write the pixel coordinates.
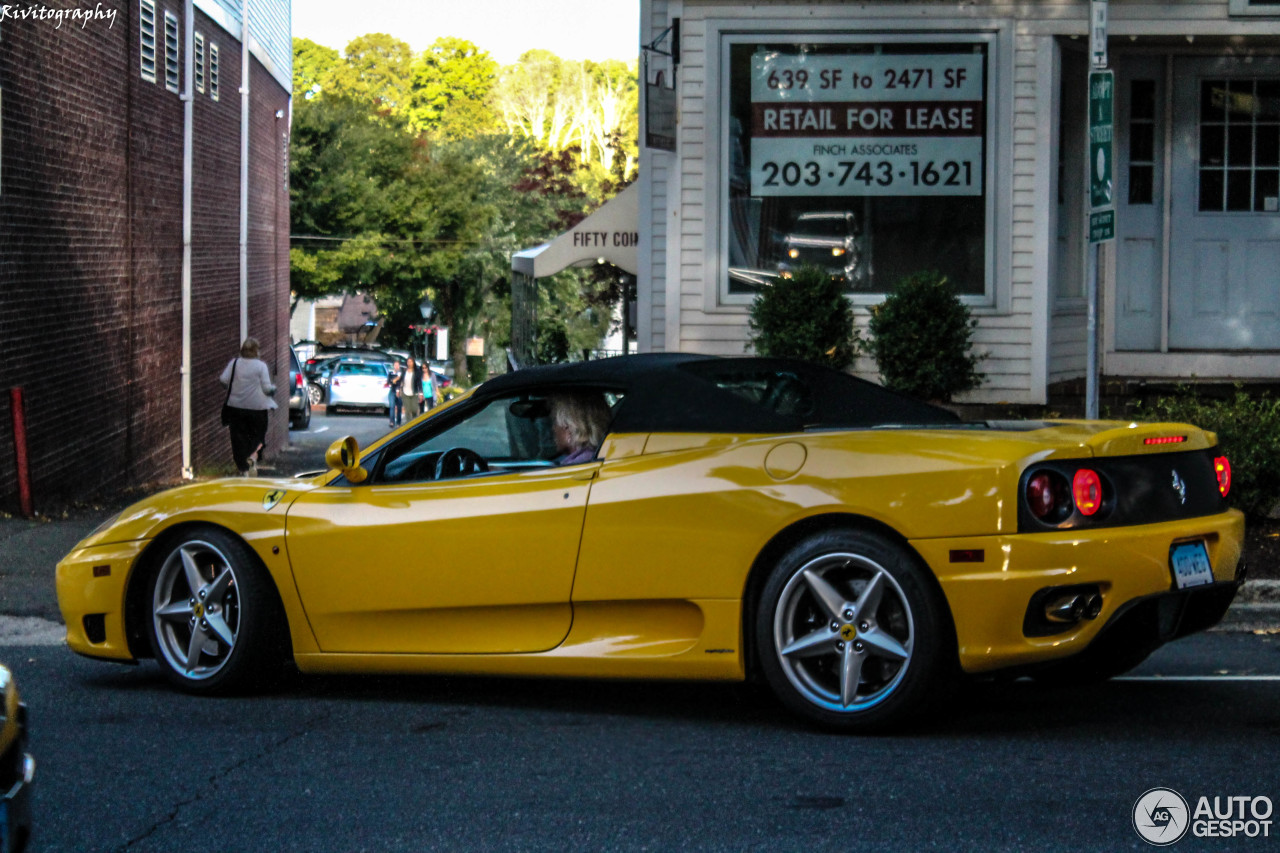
(579, 421)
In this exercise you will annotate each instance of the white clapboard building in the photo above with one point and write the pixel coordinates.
(882, 138)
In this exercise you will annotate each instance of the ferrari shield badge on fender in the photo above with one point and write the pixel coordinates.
(273, 497)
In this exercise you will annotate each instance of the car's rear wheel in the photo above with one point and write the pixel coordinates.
(216, 625)
(304, 419)
(852, 634)
(316, 393)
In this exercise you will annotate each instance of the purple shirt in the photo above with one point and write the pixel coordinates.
(582, 454)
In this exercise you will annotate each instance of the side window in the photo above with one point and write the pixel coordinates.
(780, 391)
(509, 434)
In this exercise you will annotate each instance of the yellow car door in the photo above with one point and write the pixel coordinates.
(473, 565)
(463, 539)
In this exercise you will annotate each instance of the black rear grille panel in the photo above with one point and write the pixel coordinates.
(1139, 489)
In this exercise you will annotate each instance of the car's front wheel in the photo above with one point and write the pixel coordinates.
(316, 393)
(852, 634)
(216, 625)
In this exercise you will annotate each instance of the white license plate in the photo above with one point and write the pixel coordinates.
(1190, 563)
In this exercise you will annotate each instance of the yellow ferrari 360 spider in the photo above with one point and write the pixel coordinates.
(741, 517)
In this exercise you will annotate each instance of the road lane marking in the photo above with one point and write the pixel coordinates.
(322, 429)
(1197, 678)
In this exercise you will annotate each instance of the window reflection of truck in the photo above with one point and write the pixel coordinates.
(827, 239)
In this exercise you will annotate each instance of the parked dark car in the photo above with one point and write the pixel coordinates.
(317, 371)
(299, 399)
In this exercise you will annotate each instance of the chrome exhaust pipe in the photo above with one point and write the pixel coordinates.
(1066, 608)
(1072, 607)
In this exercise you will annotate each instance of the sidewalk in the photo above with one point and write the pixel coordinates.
(29, 551)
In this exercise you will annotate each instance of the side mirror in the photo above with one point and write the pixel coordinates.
(344, 455)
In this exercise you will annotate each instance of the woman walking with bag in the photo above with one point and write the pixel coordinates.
(249, 398)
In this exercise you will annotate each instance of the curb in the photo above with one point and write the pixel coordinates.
(1255, 610)
(1259, 592)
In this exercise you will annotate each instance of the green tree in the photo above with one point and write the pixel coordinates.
(350, 190)
(376, 71)
(407, 215)
(452, 84)
(313, 67)
(525, 92)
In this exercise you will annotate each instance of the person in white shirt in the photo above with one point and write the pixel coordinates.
(411, 390)
(250, 394)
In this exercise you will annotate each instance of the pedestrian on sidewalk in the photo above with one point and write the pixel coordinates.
(395, 405)
(250, 396)
(411, 390)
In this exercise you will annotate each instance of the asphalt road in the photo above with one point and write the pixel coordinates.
(433, 763)
(389, 764)
(306, 447)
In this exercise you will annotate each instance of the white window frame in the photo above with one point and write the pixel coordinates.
(147, 39)
(718, 86)
(1251, 8)
(199, 62)
(214, 68)
(172, 53)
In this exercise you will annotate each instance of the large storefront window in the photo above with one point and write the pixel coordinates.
(868, 160)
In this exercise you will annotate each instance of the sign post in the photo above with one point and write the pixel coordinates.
(1102, 212)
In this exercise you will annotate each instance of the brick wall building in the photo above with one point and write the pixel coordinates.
(91, 252)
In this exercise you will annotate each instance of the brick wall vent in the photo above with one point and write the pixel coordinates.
(172, 56)
(147, 31)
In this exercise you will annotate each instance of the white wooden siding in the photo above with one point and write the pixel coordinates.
(1026, 339)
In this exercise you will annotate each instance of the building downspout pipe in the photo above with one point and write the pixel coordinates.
(22, 469)
(244, 174)
(188, 130)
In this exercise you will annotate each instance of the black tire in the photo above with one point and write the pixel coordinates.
(216, 625)
(304, 420)
(852, 634)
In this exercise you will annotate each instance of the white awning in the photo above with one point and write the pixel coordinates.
(609, 234)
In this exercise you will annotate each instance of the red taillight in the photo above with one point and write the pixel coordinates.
(1222, 467)
(1165, 439)
(1048, 497)
(1040, 495)
(1086, 487)
(297, 380)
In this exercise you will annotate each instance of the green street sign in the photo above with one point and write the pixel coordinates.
(1101, 130)
(1102, 226)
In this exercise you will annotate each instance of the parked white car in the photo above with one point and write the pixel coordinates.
(359, 385)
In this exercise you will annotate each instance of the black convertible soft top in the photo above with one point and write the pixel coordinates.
(682, 392)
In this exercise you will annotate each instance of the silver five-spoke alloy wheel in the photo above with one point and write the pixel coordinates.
(196, 609)
(843, 632)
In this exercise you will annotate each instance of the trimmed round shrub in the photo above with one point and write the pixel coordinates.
(922, 339)
(807, 317)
